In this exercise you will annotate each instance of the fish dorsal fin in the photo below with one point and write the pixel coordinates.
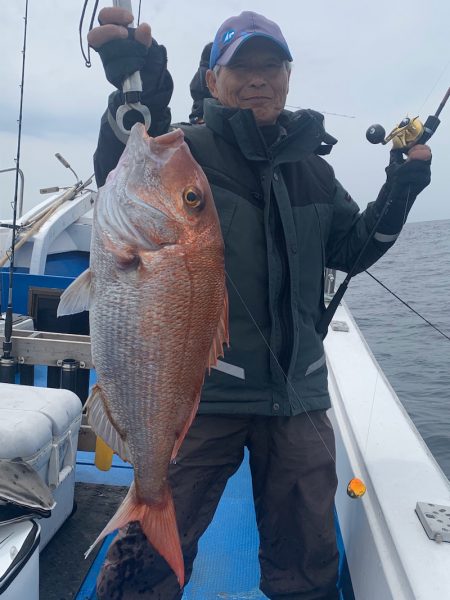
(216, 350)
(99, 419)
(76, 297)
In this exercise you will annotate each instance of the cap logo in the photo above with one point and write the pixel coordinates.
(228, 36)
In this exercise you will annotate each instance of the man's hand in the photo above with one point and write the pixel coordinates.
(123, 51)
(405, 180)
(419, 152)
(414, 174)
(113, 26)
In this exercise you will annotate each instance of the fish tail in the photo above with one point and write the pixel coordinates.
(159, 524)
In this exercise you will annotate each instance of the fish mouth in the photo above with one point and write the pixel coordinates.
(169, 139)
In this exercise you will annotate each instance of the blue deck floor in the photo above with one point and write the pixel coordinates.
(227, 566)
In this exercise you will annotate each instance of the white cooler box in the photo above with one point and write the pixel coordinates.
(40, 426)
(19, 561)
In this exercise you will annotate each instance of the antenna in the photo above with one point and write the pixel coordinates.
(7, 362)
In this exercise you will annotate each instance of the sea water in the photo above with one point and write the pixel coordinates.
(414, 357)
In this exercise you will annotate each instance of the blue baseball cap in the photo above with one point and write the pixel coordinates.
(236, 30)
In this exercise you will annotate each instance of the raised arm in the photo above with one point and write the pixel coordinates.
(124, 51)
(351, 229)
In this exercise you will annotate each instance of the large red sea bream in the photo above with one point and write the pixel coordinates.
(156, 294)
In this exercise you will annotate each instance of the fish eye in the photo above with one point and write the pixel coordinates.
(192, 197)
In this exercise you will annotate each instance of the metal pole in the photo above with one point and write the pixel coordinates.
(69, 373)
(8, 368)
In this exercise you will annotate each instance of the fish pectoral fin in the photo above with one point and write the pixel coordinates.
(100, 419)
(126, 255)
(221, 337)
(76, 297)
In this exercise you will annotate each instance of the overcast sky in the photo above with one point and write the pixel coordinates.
(376, 62)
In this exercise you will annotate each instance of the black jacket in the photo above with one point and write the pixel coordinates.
(284, 218)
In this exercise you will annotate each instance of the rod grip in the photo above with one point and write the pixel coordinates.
(325, 320)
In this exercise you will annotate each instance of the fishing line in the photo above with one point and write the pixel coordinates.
(434, 87)
(324, 112)
(405, 214)
(281, 368)
(139, 14)
(408, 306)
(87, 58)
(371, 411)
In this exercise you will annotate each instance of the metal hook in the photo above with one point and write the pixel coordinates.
(131, 87)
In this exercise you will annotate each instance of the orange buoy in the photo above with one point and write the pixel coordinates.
(356, 488)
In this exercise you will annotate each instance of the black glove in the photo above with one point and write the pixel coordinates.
(122, 58)
(405, 180)
(411, 177)
(157, 84)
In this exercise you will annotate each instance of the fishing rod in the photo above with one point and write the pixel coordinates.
(404, 136)
(7, 362)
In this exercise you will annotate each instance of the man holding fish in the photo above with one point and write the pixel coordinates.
(284, 217)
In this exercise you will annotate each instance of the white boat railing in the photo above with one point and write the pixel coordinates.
(389, 554)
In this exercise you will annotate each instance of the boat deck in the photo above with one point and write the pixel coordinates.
(226, 567)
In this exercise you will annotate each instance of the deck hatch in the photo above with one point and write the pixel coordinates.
(435, 519)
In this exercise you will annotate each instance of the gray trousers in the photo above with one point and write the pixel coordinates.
(294, 482)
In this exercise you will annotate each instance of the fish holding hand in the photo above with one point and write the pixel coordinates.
(158, 307)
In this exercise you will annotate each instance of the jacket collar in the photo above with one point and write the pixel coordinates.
(305, 133)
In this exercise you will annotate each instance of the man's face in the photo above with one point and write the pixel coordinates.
(255, 78)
